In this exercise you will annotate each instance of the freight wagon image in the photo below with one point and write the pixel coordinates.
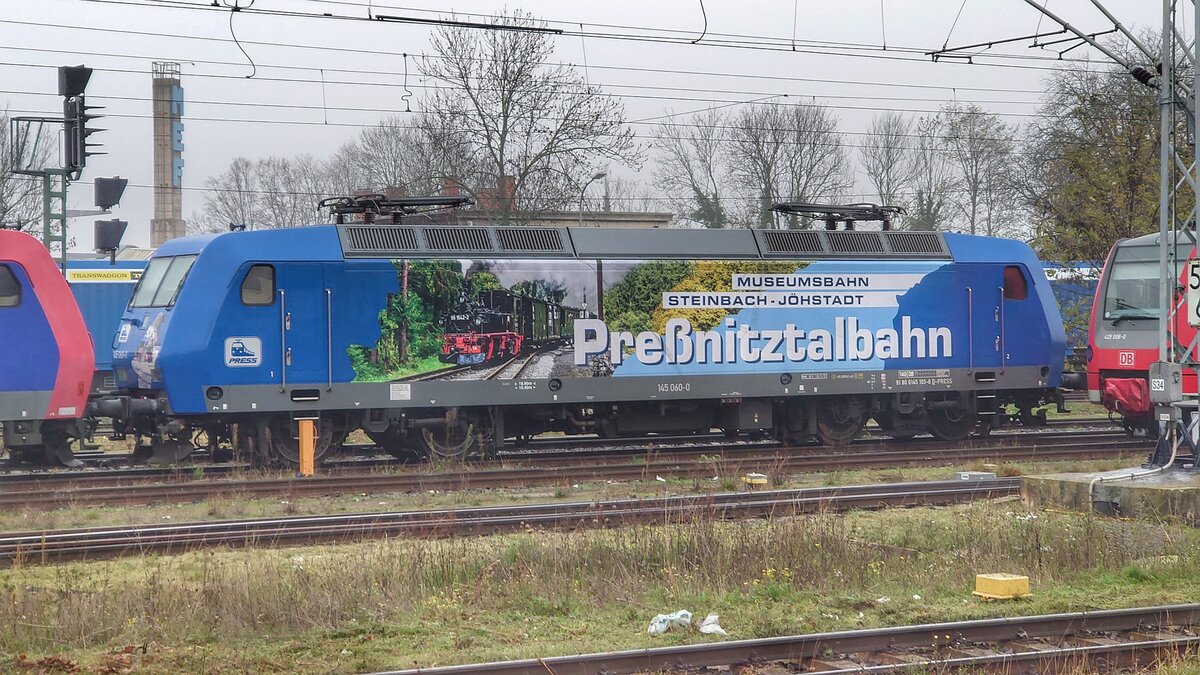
(102, 290)
(800, 334)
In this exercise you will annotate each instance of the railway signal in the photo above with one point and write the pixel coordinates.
(72, 81)
(109, 190)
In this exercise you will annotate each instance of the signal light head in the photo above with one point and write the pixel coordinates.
(72, 80)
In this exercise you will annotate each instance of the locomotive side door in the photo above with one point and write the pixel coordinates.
(305, 306)
(984, 294)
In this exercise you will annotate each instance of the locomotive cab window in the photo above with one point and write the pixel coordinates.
(1015, 285)
(258, 287)
(162, 281)
(10, 288)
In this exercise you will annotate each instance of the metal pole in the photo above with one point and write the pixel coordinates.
(599, 263)
(1092, 41)
(1165, 225)
(1125, 31)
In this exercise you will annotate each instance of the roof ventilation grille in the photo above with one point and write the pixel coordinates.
(529, 239)
(849, 241)
(457, 239)
(793, 241)
(376, 238)
(915, 242)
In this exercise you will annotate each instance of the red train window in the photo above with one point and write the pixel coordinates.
(1015, 286)
(10, 288)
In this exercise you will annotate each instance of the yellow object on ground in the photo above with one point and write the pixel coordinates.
(755, 479)
(1001, 586)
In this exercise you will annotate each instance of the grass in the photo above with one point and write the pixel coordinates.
(726, 480)
(1078, 409)
(401, 603)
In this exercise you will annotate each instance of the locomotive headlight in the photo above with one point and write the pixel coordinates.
(214, 393)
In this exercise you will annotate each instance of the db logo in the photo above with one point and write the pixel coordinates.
(1125, 358)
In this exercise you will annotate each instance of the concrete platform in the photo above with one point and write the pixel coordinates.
(1173, 493)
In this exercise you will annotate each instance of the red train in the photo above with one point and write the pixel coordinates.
(1123, 332)
(47, 362)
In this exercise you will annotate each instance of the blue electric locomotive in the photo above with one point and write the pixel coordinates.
(804, 334)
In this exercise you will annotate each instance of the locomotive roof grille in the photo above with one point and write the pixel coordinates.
(842, 241)
(914, 242)
(438, 241)
(458, 239)
(793, 241)
(374, 238)
(529, 239)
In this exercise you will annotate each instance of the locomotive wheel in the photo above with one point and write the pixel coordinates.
(457, 440)
(55, 449)
(284, 447)
(840, 420)
(950, 424)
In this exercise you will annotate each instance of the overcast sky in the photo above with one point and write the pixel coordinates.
(286, 110)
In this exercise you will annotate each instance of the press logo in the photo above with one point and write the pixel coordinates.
(243, 352)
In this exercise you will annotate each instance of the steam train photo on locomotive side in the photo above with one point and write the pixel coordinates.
(498, 324)
(799, 334)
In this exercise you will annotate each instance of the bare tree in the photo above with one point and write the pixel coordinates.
(624, 194)
(390, 154)
(289, 190)
(932, 178)
(503, 113)
(231, 198)
(885, 157)
(691, 169)
(21, 196)
(344, 172)
(787, 153)
(979, 144)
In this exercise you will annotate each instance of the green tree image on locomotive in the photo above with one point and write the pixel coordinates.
(410, 338)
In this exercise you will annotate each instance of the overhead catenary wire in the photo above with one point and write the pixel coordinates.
(772, 44)
(322, 195)
(835, 144)
(674, 72)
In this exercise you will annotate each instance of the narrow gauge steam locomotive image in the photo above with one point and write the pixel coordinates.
(498, 324)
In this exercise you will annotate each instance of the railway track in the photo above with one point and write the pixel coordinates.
(126, 490)
(368, 456)
(435, 374)
(1099, 641)
(90, 543)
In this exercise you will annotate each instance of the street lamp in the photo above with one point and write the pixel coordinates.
(600, 175)
(599, 263)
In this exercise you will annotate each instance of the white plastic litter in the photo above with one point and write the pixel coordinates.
(709, 626)
(660, 479)
(665, 622)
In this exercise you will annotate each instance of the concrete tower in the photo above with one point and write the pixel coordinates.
(168, 154)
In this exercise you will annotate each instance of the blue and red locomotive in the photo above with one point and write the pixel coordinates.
(47, 364)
